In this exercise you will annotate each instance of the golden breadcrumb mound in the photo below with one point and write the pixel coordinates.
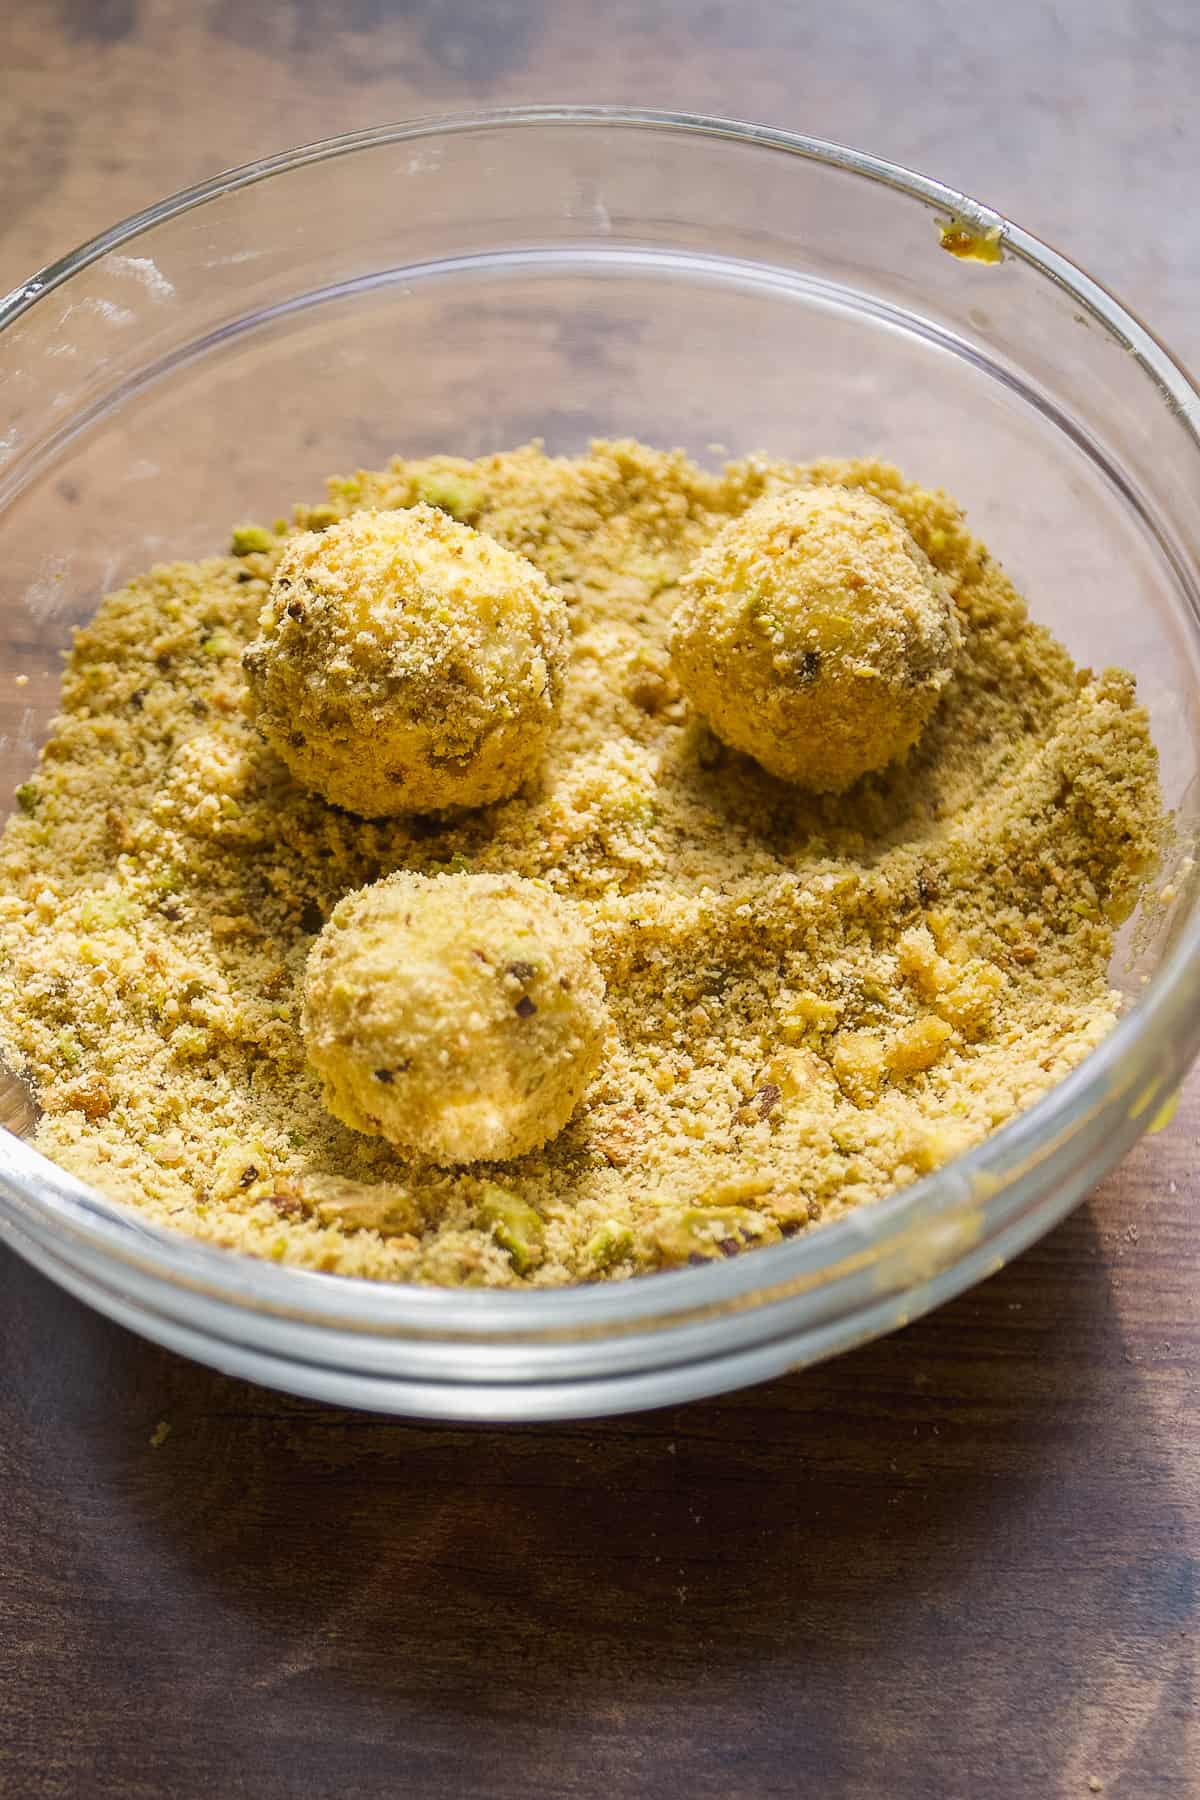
(407, 663)
(813, 1000)
(458, 1016)
(815, 634)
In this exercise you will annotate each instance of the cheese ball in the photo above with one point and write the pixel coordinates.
(459, 1016)
(407, 663)
(815, 634)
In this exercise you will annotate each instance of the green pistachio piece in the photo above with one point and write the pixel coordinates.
(220, 643)
(454, 494)
(611, 1244)
(703, 1233)
(104, 910)
(515, 1226)
(249, 538)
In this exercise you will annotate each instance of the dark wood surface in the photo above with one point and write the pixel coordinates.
(961, 1562)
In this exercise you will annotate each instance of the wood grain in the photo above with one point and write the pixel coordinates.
(959, 1562)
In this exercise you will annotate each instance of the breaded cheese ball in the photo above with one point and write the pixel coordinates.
(407, 663)
(815, 634)
(459, 1016)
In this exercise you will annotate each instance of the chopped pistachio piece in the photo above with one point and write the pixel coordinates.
(515, 1226)
(698, 1232)
(453, 494)
(611, 1244)
(220, 643)
(249, 538)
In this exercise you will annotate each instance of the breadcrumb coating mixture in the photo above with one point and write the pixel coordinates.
(815, 635)
(812, 999)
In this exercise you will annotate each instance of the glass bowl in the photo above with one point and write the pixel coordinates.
(566, 272)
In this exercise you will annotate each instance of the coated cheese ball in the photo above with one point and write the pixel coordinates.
(459, 1016)
(815, 634)
(407, 663)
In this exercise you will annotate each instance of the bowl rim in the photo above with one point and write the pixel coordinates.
(1129, 1060)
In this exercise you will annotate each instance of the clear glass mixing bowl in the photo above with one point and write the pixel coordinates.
(569, 272)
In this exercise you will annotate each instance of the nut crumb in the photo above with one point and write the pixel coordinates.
(813, 1001)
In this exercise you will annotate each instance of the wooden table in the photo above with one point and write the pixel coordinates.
(962, 1562)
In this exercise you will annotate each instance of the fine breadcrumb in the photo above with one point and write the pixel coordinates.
(813, 999)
